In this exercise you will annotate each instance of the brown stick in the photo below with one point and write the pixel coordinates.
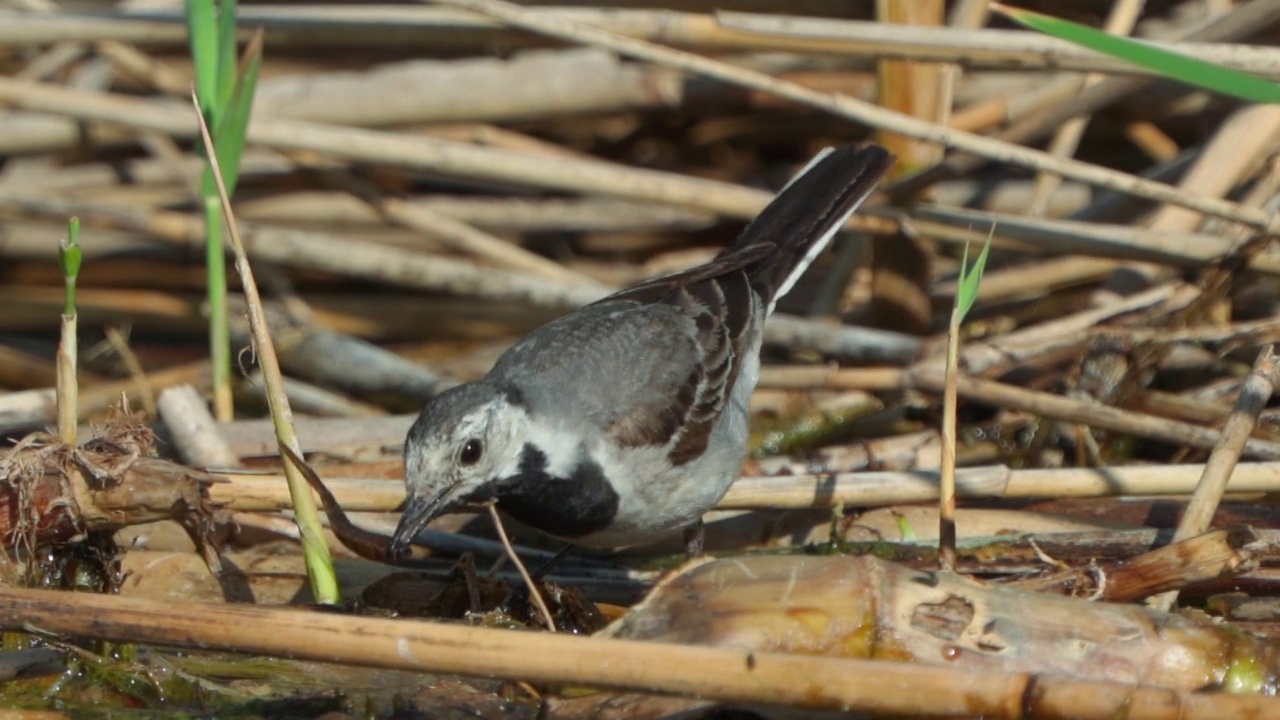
(726, 675)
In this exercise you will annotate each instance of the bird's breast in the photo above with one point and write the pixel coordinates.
(568, 504)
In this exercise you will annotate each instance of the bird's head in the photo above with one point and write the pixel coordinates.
(465, 441)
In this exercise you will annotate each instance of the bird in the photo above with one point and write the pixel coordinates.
(625, 421)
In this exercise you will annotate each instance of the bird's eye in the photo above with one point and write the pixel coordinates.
(471, 451)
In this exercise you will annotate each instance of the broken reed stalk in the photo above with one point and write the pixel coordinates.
(68, 394)
(1254, 394)
(729, 675)
(324, 582)
(534, 592)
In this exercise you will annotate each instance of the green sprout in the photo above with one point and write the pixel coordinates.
(68, 392)
(1168, 63)
(970, 280)
(69, 256)
(966, 295)
(224, 92)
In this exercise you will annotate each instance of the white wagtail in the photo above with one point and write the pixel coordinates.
(627, 419)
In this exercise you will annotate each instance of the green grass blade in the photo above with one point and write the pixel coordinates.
(202, 32)
(971, 278)
(226, 53)
(230, 139)
(1174, 65)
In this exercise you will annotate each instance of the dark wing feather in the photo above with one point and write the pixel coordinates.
(690, 330)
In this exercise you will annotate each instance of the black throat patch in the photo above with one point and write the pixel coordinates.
(569, 507)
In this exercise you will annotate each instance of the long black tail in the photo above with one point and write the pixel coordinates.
(808, 212)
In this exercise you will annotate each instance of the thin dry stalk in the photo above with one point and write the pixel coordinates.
(534, 592)
(1165, 246)
(863, 489)
(864, 112)
(1240, 144)
(310, 25)
(726, 675)
(1089, 413)
(120, 344)
(1062, 100)
(1124, 14)
(68, 390)
(947, 478)
(1254, 394)
(831, 377)
(266, 493)
(319, 563)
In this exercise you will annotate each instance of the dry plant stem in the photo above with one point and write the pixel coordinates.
(1207, 557)
(329, 253)
(319, 563)
(193, 431)
(732, 31)
(423, 153)
(28, 408)
(1254, 394)
(1240, 21)
(466, 238)
(585, 177)
(864, 489)
(68, 390)
(1123, 16)
(448, 157)
(120, 344)
(947, 479)
(1242, 142)
(266, 493)
(831, 377)
(1166, 246)
(1089, 413)
(534, 592)
(319, 401)
(1024, 345)
(725, 675)
(843, 106)
(454, 233)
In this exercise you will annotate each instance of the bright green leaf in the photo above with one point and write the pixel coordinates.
(226, 53)
(230, 140)
(202, 31)
(1174, 65)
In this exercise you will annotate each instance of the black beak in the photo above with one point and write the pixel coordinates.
(418, 511)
